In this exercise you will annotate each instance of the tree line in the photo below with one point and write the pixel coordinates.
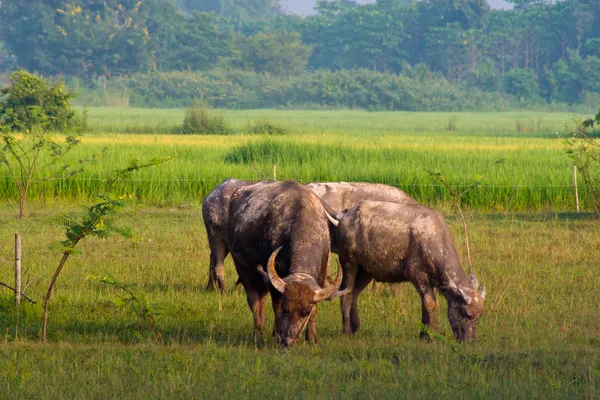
(542, 51)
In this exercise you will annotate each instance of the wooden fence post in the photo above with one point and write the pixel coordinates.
(575, 185)
(274, 172)
(18, 249)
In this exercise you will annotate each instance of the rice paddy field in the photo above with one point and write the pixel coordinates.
(518, 157)
(539, 259)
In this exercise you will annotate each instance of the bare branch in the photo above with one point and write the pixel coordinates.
(29, 299)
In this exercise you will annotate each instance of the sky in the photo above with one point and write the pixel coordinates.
(305, 7)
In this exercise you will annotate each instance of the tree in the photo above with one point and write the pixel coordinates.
(276, 53)
(36, 108)
(522, 83)
(7, 60)
(453, 51)
(246, 10)
(193, 41)
(81, 38)
(354, 37)
(470, 14)
(575, 76)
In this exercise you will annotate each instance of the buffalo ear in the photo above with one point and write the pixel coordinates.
(263, 274)
(474, 281)
(339, 293)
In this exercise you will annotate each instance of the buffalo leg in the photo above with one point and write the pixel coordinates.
(277, 309)
(256, 302)
(218, 252)
(350, 270)
(428, 307)
(362, 281)
(311, 328)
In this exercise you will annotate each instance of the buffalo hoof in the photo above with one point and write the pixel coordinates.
(215, 285)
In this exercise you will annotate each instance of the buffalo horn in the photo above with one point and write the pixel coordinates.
(334, 221)
(465, 296)
(330, 292)
(276, 281)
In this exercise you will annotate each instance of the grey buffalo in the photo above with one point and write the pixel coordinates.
(285, 227)
(393, 242)
(340, 196)
(215, 212)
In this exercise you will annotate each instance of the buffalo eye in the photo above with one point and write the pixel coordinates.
(286, 308)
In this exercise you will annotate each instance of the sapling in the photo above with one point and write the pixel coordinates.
(137, 303)
(95, 222)
(457, 198)
(584, 151)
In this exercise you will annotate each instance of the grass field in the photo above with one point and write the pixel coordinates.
(520, 160)
(539, 336)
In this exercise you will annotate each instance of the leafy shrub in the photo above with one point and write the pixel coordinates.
(34, 102)
(198, 120)
(364, 89)
(265, 127)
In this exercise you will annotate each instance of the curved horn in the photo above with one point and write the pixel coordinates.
(330, 292)
(458, 291)
(276, 281)
(482, 294)
(334, 221)
(451, 285)
(465, 296)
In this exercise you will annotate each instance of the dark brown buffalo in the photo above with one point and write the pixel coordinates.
(340, 196)
(394, 242)
(283, 226)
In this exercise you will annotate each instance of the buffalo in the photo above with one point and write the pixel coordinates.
(339, 196)
(215, 212)
(393, 242)
(283, 226)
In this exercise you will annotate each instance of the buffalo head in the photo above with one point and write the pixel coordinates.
(465, 307)
(300, 295)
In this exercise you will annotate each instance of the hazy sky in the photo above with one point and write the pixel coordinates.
(305, 7)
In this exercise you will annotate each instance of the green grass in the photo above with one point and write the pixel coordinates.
(539, 337)
(362, 123)
(522, 162)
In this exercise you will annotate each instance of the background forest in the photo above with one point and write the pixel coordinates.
(392, 55)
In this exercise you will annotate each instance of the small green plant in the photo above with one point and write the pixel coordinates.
(584, 150)
(95, 222)
(137, 303)
(264, 126)
(451, 126)
(525, 126)
(199, 120)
